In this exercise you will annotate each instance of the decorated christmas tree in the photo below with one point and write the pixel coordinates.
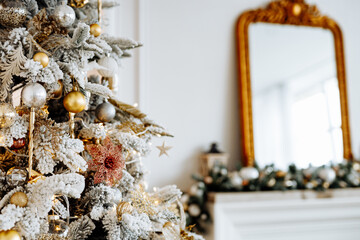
(70, 155)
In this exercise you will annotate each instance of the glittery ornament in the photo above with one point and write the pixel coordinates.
(143, 202)
(16, 176)
(105, 112)
(9, 235)
(64, 15)
(107, 162)
(19, 199)
(7, 115)
(12, 13)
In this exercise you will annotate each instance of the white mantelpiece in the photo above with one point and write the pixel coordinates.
(290, 215)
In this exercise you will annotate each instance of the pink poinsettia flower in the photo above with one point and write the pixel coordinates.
(107, 162)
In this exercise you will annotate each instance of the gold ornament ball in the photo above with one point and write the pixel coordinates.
(7, 115)
(19, 199)
(42, 58)
(123, 207)
(74, 102)
(95, 30)
(9, 235)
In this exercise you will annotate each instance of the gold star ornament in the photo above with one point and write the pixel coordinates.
(163, 149)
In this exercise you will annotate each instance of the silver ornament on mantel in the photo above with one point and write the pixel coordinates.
(12, 13)
(249, 173)
(7, 115)
(235, 179)
(33, 95)
(105, 112)
(327, 174)
(64, 15)
(110, 66)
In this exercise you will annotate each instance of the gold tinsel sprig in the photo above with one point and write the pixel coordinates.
(132, 127)
(41, 27)
(52, 237)
(185, 235)
(143, 202)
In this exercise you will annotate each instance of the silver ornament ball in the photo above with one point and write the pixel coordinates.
(64, 15)
(235, 179)
(110, 67)
(327, 174)
(7, 115)
(105, 112)
(249, 173)
(16, 176)
(33, 95)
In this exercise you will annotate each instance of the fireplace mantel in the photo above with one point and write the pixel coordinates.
(290, 215)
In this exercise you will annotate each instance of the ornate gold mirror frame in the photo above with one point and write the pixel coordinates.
(293, 12)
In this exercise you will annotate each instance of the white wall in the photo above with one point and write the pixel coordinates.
(185, 75)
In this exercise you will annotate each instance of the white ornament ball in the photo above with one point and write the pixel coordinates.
(327, 174)
(33, 95)
(105, 112)
(64, 15)
(249, 173)
(235, 179)
(184, 198)
(194, 210)
(110, 65)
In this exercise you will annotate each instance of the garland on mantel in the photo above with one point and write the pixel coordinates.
(343, 175)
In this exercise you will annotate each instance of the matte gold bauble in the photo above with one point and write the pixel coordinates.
(95, 30)
(42, 58)
(9, 235)
(122, 208)
(19, 199)
(58, 92)
(74, 102)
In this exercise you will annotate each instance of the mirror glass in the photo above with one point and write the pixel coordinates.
(295, 96)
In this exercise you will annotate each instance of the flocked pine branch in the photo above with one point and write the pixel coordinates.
(13, 66)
